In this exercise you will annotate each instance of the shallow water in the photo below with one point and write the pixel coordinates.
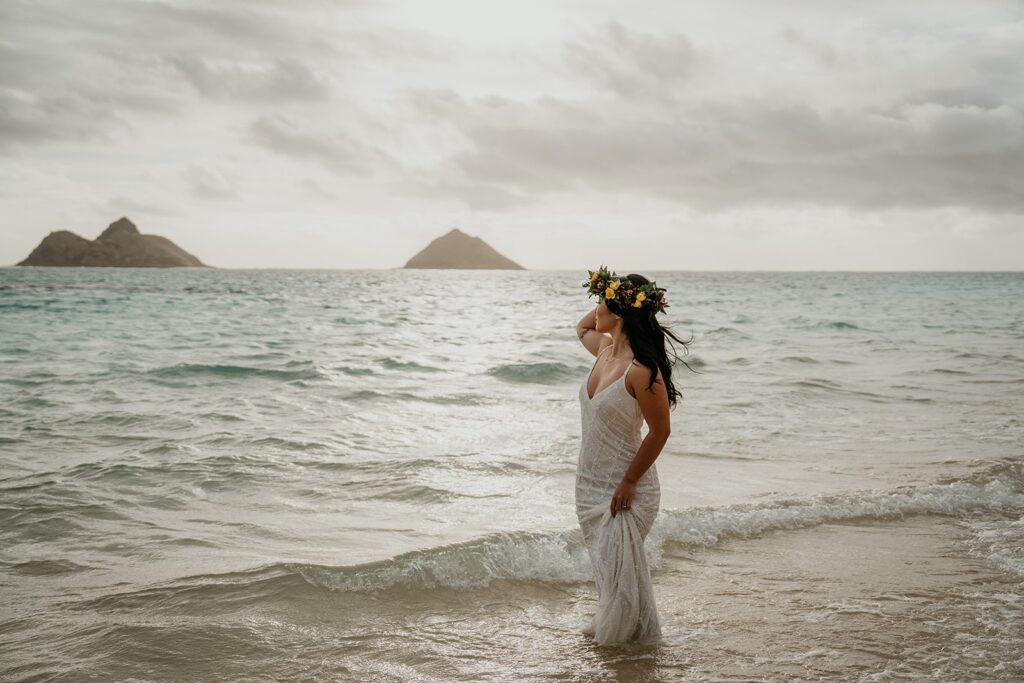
(272, 474)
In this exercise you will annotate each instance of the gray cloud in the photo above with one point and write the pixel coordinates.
(822, 51)
(476, 193)
(130, 28)
(281, 80)
(340, 152)
(209, 183)
(932, 147)
(27, 119)
(81, 71)
(632, 63)
(50, 92)
(715, 155)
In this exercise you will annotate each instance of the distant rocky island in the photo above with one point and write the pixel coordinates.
(120, 245)
(456, 249)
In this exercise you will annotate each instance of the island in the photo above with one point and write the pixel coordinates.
(120, 245)
(456, 249)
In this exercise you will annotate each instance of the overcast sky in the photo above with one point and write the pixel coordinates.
(566, 133)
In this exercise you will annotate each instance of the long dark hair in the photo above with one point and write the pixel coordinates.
(647, 339)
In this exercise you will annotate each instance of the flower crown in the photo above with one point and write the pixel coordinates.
(626, 293)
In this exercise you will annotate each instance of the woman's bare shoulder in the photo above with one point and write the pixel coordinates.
(639, 376)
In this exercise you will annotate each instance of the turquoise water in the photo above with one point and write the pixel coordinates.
(182, 450)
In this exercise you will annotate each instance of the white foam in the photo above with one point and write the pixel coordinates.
(1000, 542)
(558, 557)
(707, 526)
(561, 557)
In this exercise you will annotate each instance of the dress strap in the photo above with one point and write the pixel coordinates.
(627, 368)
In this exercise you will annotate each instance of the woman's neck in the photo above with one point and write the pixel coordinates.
(620, 348)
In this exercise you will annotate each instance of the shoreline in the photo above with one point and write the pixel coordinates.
(857, 600)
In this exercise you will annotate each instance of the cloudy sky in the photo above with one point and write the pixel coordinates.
(566, 133)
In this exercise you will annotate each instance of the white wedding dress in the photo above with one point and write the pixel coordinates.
(611, 436)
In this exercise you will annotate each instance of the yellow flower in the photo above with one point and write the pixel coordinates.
(609, 293)
(614, 284)
(639, 300)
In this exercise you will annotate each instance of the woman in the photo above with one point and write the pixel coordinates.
(617, 488)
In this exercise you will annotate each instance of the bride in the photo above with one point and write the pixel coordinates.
(617, 489)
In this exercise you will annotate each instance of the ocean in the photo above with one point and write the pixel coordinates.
(367, 475)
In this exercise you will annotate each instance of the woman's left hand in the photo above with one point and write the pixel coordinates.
(622, 499)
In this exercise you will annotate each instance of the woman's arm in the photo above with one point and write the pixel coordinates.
(585, 330)
(645, 456)
(587, 322)
(655, 408)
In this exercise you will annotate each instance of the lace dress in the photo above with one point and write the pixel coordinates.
(611, 437)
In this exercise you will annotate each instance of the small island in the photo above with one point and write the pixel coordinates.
(456, 249)
(120, 245)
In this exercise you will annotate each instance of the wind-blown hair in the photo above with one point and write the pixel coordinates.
(649, 339)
